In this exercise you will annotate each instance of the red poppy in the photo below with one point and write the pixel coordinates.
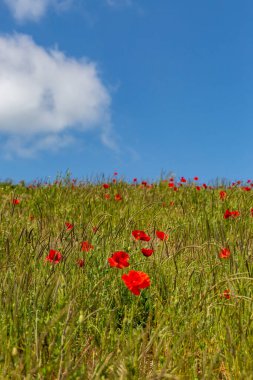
(251, 211)
(80, 262)
(135, 180)
(171, 184)
(196, 178)
(246, 188)
(204, 185)
(183, 180)
(223, 195)
(135, 281)
(54, 256)
(86, 246)
(107, 196)
(69, 226)
(140, 235)
(232, 214)
(106, 186)
(114, 180)
(118, 197)
(147, 251)
(119, 260)
(144, 183)
(115, 173)
(226, 294)
(224, 253)
(227, 214)
(95, 229)
(15, 201)
(162, 235)
(198, 188)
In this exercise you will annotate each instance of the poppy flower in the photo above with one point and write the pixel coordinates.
(115, 173)
(198, 188)
(119, 260)
(147, 251)
(135, 180)
(135, 281)
(69, 226)
(223, 195)
(171, 184)
(86, 246)
(204, 185)
(15, 201)
(140, 235)
(196, 178)
(232, 214)
(183, 180)
(226, 294)
(224, 253)
(107, 196)
(162, 235)
(80, 262)
(227, 214)
(95, 229)
(251, 211)
(106, 186)
(118, 197)
(54, 256)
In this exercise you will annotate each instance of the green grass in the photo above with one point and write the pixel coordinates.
(60, 321)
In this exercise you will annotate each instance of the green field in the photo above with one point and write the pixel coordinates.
(72, 319)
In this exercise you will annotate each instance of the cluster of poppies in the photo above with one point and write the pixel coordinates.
(55, 256)
(135, 280)
(117, 196)
(231, 214)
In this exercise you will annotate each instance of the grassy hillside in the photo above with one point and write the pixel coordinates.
(66, 312)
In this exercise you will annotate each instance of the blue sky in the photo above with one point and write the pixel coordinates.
(134, 86)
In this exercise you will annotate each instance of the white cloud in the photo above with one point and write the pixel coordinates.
(33, 9)
(44, 95)
(28, 146)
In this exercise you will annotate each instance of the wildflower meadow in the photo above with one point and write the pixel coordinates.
(126, 280)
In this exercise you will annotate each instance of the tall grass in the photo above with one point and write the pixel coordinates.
(63, 321)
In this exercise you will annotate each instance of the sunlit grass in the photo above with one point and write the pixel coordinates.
(63, 321)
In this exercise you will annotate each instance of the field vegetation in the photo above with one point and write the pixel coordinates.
(116, 280)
